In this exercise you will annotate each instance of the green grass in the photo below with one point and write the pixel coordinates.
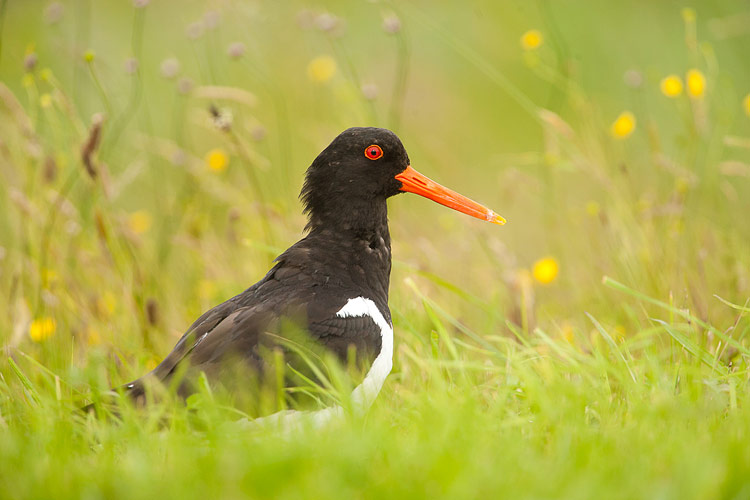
(625, 377)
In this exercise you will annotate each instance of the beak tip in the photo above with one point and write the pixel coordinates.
(495, 218)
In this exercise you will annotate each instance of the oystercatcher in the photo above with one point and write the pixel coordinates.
(333, 283)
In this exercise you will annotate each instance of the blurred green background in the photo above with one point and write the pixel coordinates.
(151, 154)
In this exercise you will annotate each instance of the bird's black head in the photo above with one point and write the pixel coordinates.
(354, 175)
(347, 184)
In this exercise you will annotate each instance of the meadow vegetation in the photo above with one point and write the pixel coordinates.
(151, 154)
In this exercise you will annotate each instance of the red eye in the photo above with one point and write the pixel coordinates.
(373, 152)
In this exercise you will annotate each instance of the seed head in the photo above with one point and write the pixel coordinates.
(370, 91)
(184, 85)
(29, 62)
(53, 13)
(392, 24)
(633, 78)
(170, 68)
(211, 19)
(194, 30)
(131, 65)
(326, 22)
(236, 50)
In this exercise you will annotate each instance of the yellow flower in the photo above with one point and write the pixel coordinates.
(139, 221)
(567, 333)
(321, 69)
(27, 80)
(671, 86)
(624, 125)
(545, 270)
(42, 329)
(88, 56)
(688, 15)
(681, 185)
(746, 104)
(48, 275)
(696, 83)
(45, 100)
(92, 336)
(618, 335)
(217, 160)
(106, 304)
(593, 208)
(532, 39)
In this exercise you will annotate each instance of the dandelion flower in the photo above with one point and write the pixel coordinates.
(671, 86)
(106, 304)
(688, 15)
(624, 125)
(619, 334)
(545, 270)
(42, 329)
(567, 333)
(48, 275)
(92, 336)
(89, 55)
(140, 221)
(696, 83)
(217, 160)
(593, 208)
(45, 100)
(532, 39)
(321, 69)
(746, 104)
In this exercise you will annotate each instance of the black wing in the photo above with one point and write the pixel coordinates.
(291, 296)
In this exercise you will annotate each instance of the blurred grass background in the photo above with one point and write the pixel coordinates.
(151, 154)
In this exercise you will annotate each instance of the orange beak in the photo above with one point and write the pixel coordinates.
(414, 182)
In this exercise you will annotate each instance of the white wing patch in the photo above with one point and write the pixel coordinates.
(365, 393)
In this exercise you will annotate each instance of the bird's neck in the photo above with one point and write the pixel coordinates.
(357, 241)
(349, 217)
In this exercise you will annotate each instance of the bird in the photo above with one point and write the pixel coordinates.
(328, 292)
